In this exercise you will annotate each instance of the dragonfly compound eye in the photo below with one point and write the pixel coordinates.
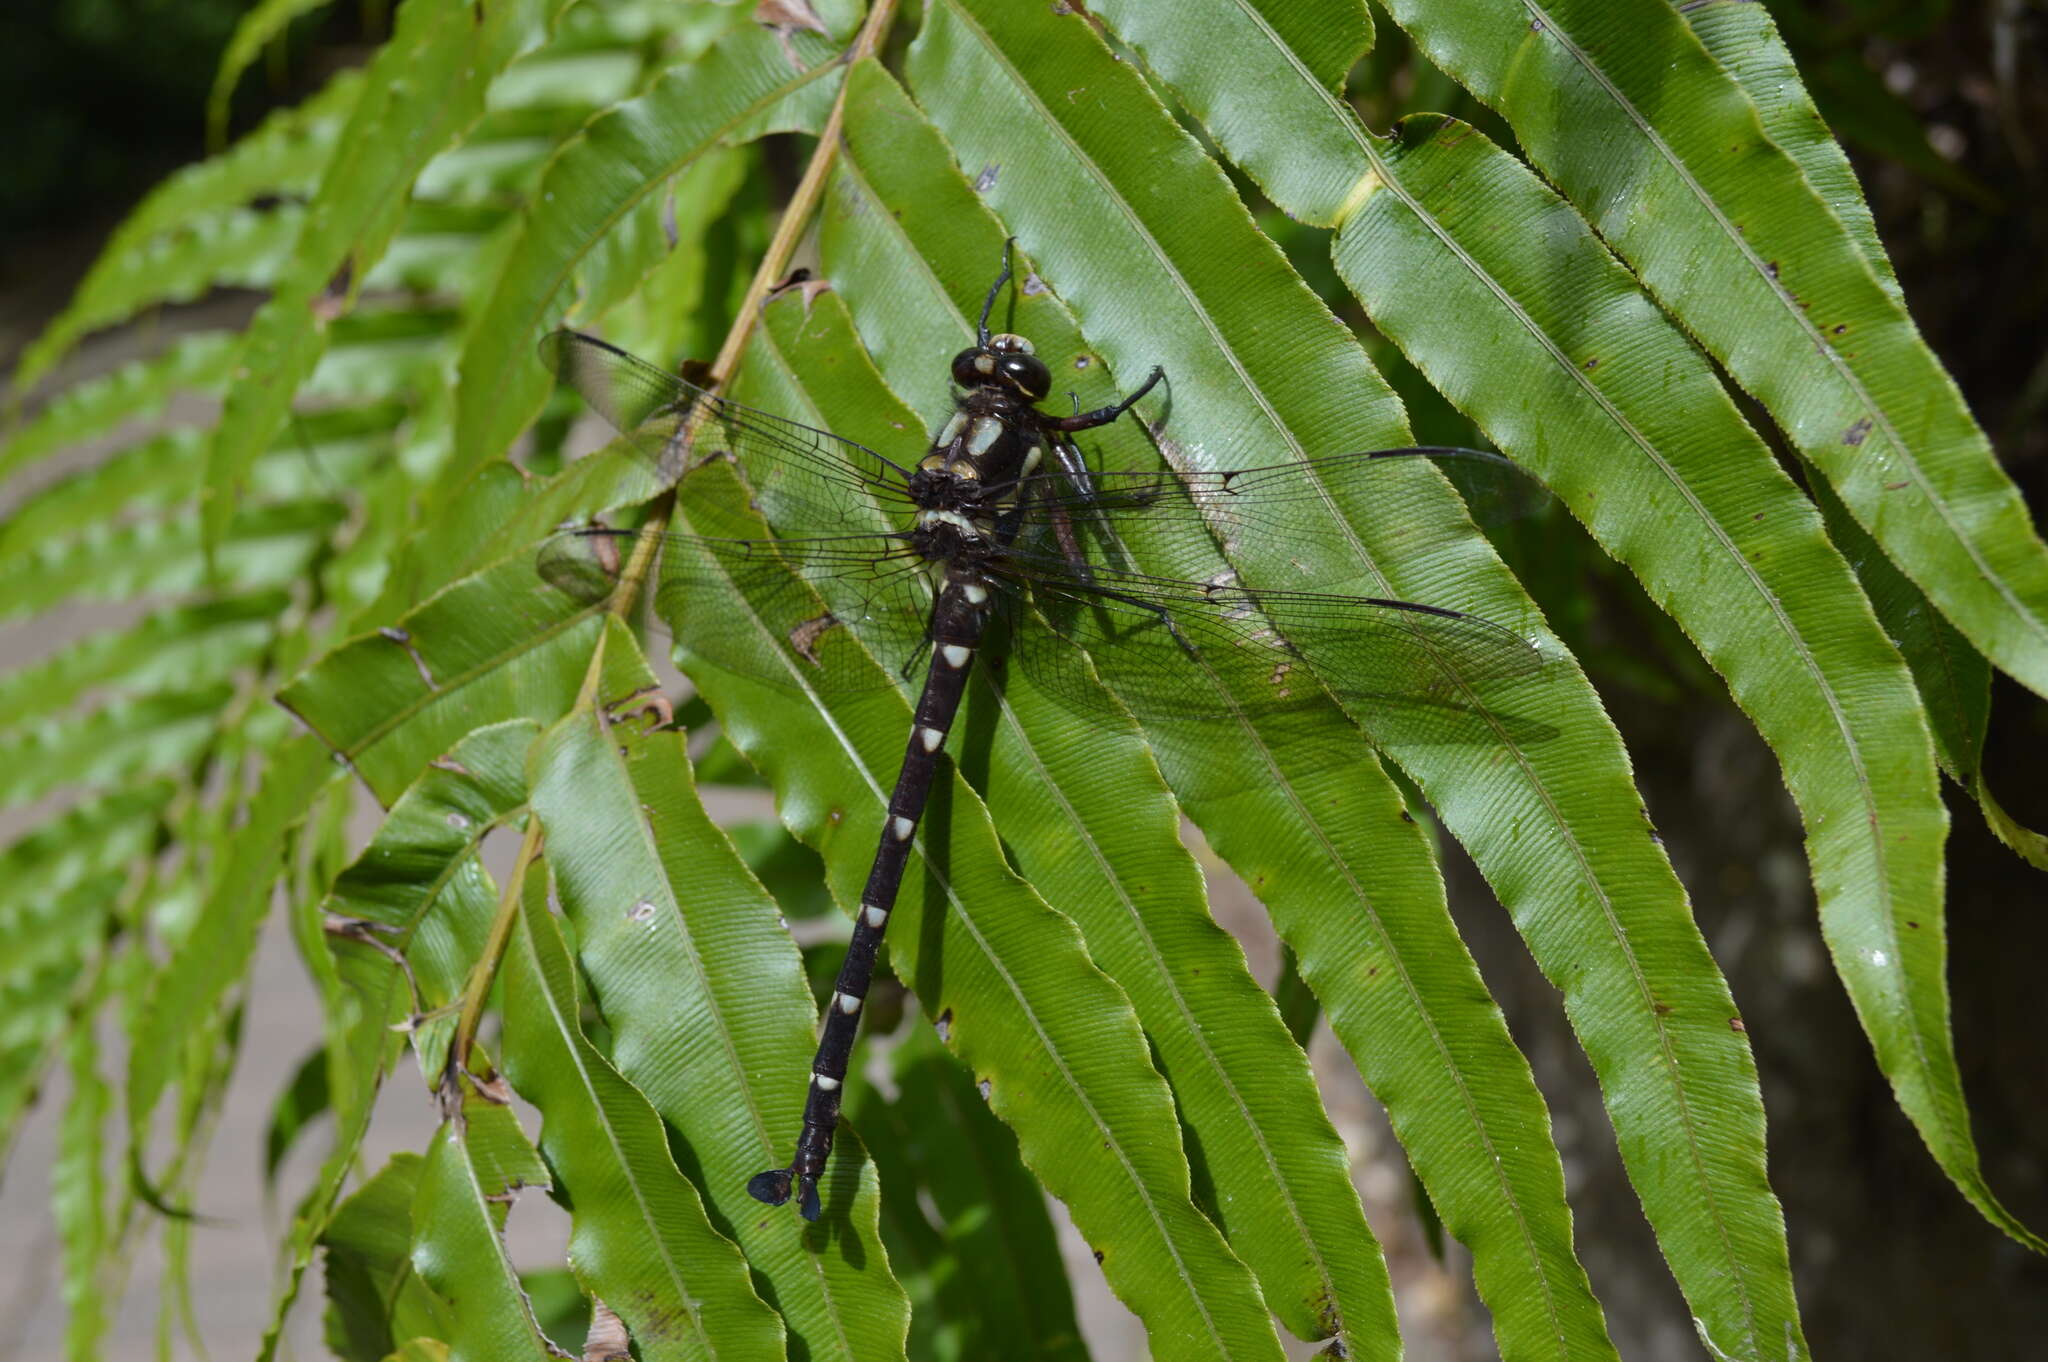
(1028, 375)
(972, 368)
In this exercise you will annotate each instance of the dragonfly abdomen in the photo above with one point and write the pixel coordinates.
(958, 619)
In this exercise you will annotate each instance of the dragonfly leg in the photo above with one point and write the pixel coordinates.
(1159, 612)
(908, 671)
(1102, 416)
(1062, 524)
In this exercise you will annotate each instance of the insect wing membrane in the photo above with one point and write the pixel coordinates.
(800, 473)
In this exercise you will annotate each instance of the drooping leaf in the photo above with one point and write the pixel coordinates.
(474, 1172)
(405, 924)
(709, 1016)
(640, 1239)
(612, 175)
(1622, 108)
(1592, 390)
(985, 1279)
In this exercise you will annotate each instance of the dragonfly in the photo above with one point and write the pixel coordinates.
(1001, 528)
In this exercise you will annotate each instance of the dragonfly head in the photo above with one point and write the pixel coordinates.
(1005, 363)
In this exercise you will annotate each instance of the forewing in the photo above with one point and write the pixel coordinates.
(800, 475)
(1267, 500)
(796, 613)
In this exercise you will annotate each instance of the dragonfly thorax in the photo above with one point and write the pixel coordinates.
(977, 457)
(947, 535)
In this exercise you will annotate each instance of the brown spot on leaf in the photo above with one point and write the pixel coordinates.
(1855, 433)
(606, 1340)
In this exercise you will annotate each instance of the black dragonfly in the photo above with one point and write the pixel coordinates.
(1001, 521)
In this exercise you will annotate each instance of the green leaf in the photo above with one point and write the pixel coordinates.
(121, 741)
(301, 1102)
(1267, 81)
(1141, 237)
(405, 922)
(194, 645)
(235, 248)
(1953, 678)
(601, 191)
(263, 24)
(283, 157)
(373, 1298)
(137, 391)
(702, 991)
(1619, 105)
(266, 547)
(422, 92)
(640, 1240)
(1542, 296)
(94, 837)
(984, 1274)
(499, 645)
(78, 1201)
(185, 997)
(1088, 821)
(62, 887)
(473, 1170)
(49, 950)
(1599, 396)
(1744, 39)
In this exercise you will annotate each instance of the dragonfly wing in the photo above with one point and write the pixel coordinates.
(806, 614)
(801, 475)
(1181, 650)
(1269, 500)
